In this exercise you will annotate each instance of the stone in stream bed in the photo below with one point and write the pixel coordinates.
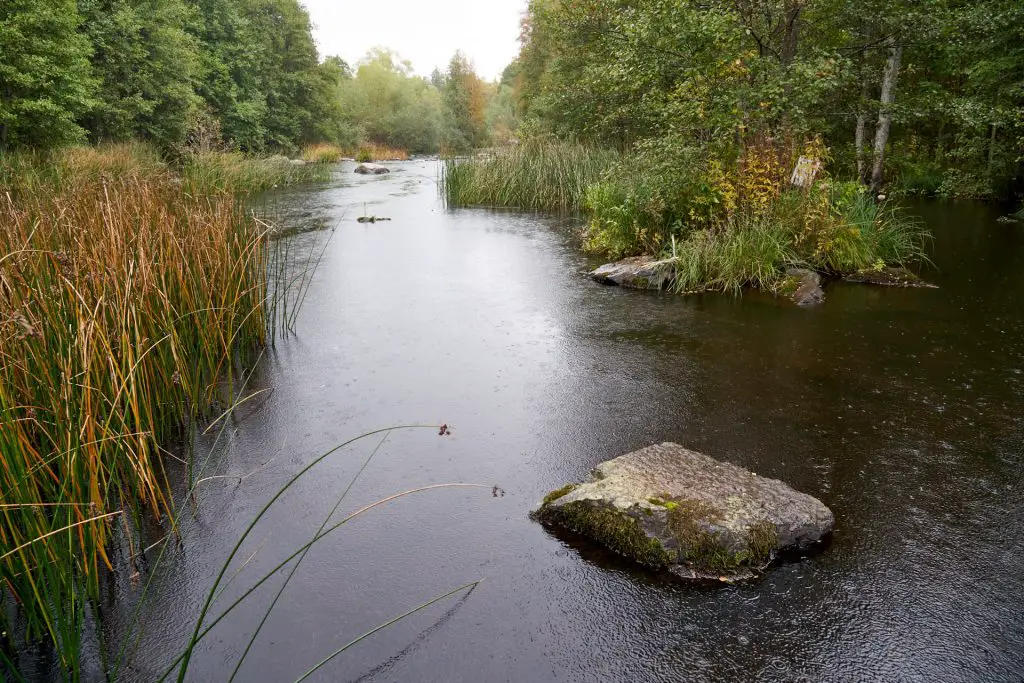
(888, 277)
(372, 169)
(803, 286)
(668, 507)
(636, 272)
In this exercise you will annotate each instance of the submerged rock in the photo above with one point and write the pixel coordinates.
(669, 507)
(637, 272)
(803, 286)
(372, 169)
(888, 277)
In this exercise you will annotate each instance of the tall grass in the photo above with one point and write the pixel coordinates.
(233, 174)
(373, 151)
(124, 299)
(542, 175)
(323, 153)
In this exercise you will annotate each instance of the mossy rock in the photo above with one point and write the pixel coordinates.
(668, 507)
(888, 277)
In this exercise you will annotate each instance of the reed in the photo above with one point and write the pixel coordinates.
(125, 299)
(323, 153)
(233, 174)
(539, 175)
(373, 151)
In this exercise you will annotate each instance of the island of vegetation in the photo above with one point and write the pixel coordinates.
(676, 129)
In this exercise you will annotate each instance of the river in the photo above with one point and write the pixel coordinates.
(900, 409)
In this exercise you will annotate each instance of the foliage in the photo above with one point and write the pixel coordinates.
(624, 74)
(145, 62)
(164, 71)
(538, 174)
(45, 80)
(386, 104)
(464, 98)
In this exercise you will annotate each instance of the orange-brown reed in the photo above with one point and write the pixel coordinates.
(124, 299)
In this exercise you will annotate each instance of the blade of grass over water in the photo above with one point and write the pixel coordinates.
(295, 567)
(469, 586)
(281, 565)
(248, 530)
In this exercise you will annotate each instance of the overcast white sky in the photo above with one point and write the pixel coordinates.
(426, 32)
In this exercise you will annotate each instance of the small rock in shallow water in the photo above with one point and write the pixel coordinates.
(372, 169)
(806, 286)
(669, 507)
(637, 272)
(888, 277)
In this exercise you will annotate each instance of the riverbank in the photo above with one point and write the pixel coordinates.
(715, 225)
(131, 289)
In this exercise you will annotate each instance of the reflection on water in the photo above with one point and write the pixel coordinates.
(901, 409)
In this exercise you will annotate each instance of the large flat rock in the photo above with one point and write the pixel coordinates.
(669, 507)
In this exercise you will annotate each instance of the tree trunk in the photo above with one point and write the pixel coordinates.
(860, 138)
(889, 77)
(992, 151)
(791, 31)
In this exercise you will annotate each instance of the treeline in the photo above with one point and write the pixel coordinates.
(239, 72)
(926, 93)
(453, 111)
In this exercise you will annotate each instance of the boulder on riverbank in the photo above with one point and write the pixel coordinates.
(668, 507)
(888, 277)
(803, 286)
(372, 169)
(637, 272)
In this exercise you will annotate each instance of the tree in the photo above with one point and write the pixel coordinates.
(465, 102)
(45, 80)
(386, 103)
(145, 63)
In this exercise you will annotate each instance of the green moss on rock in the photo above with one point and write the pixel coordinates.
(558, 493)
(615, 529)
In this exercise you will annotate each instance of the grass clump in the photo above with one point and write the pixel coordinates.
(372, 151)
(323, 153)
(544, 175)
(234, 174)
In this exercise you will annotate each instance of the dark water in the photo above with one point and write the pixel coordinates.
(901, 409)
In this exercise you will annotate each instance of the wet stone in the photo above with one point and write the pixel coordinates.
(672, 508)
(637, 272)
(372, 169)
(888, 277)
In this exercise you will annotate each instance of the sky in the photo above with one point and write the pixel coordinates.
(426, 32)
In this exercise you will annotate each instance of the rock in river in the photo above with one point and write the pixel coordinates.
(669, 507)
(372, 169)
(888, 277)
(806, 286)
(637, 272)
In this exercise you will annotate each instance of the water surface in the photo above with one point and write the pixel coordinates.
(901, 409)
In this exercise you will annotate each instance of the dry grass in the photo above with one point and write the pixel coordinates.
(323, 153)
(123, 301)
(371, 151)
